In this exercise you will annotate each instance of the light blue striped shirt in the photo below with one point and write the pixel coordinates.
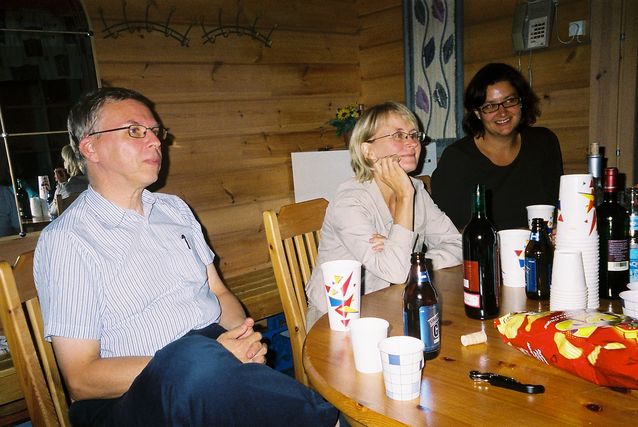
(135, 283)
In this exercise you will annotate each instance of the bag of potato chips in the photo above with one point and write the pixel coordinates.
(599, 347)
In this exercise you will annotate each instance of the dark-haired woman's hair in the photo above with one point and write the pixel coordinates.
(476, 91)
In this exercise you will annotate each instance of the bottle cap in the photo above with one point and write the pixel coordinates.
(610, 182)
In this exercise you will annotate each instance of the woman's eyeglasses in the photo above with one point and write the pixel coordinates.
(507, 103)
(400, 136)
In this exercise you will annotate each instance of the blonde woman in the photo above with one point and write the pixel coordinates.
(382, 215)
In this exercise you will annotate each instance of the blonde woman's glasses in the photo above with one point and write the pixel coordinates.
(400, 136)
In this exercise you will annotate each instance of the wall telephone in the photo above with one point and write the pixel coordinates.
(532, 25)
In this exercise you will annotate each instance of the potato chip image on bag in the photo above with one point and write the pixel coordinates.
(599, 347)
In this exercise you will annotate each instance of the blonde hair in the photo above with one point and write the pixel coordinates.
(366, 127)
(71, 163)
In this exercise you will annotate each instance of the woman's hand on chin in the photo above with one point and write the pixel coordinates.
(389, 171)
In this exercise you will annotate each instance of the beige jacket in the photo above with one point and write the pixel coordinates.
(357, 212)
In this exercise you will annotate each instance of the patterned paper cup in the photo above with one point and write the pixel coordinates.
(402, 361)
(576, 206)
(342, 282)
(512, 246)
(541, 211)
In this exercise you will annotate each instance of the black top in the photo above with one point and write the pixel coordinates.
(532, 178)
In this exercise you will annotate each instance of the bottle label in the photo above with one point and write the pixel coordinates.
(530, 274)
(618, 255)
(471, 276)
(633, 264)
(633, 223)
(472, 300)
(429, 324)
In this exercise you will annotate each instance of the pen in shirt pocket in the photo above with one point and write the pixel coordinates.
(186, 241)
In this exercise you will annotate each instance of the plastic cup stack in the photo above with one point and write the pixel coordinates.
(576, 230)
(569, 288)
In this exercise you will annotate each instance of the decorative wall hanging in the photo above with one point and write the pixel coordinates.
(145, 25)
(434, 71)
(209, 36)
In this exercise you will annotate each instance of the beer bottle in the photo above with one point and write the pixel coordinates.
(421, 307)
(481, 269)
(613, 230)
(539, 257)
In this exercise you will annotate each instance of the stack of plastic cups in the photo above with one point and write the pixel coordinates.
(576, 228)
(569, 288)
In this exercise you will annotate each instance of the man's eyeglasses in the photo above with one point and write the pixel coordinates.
(138, 131)
(400, 136)
(508, 103)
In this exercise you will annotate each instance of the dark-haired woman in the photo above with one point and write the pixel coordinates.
(519, 165)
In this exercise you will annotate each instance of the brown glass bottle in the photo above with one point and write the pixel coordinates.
(539, 257)
(481, 269)
(422, 307)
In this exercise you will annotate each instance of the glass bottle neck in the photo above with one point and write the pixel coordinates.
(610, 196)
(478, 202)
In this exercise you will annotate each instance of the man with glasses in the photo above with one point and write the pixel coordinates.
(144, 331)
(519, 165)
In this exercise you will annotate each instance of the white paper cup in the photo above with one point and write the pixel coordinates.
(402, 361)
(365, 334)
(342, 282)
(633, 286)
(512, 246)
(513, 299)
(541, 211)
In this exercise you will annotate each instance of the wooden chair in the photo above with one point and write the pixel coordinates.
(427, 182)
(61, 204)
(32, 356)
(293, 239)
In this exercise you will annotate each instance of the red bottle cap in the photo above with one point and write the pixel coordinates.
(610, 182)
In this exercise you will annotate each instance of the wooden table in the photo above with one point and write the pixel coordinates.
(448, 396)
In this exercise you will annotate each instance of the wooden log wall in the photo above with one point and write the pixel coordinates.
(235, 107)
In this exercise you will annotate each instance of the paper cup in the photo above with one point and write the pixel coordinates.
(35, 204)
(577, 205)
(512, 245)
(365, 335)
(342, 282)
(541, 211)
(513, 299)
(402, 361)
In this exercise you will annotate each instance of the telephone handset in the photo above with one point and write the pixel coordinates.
(532, 25)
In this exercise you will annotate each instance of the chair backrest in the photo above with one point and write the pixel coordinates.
(293, 239)
(427, 180)
(62, 204)
(32, 356)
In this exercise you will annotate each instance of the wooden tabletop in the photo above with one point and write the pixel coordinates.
(448, 396)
